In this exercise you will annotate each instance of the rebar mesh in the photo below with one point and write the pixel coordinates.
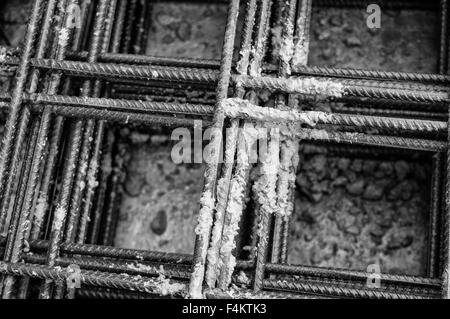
(70, 83)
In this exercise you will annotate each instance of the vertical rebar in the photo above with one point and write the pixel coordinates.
(17, 94)
(110, 210)
(240, 179)
(444, 43)
(73, 153)
(435, 209)
(18, 228)
(212, 270)
(206, 209)
(267, 213)
(288, 159)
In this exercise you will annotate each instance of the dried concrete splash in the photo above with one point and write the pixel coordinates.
(289, 160)
(301, 49)
(165, 288)
(320, 135)
(195, 287)
(317, 87)
(265, 185)
(212, 257)
(92, 177)
(63, 38)
(203, 228)
(301, 54)
(287, 46)
(39, 214)
(83, 172)
(205, 217)
(236, 202)
(320, 89)
(239, 108)
(58, 219)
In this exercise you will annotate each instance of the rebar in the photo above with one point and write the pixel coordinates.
(56, 137)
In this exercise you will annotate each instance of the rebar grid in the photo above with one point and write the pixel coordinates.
(53, 135)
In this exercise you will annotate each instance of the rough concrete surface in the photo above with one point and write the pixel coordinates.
(160, 198)
(351, 213)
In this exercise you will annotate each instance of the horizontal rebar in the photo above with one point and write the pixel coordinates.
(297, 70)
(374, 140)
(120, 105)
(371, 74)
(380, 89)
(131, 270)
(140, 256)
(101, 107)
(243, 109)
(112, 71)
(114, 252)
(388, 4)
(243, 293)
(88, 277)
(115, 266)
(136, 59)
(137, 267)
(107, 293)
(385, 4)
(115, 110)
(351, 275)
(340, 290)
(393, 113)
(213, 65)
(376, 89)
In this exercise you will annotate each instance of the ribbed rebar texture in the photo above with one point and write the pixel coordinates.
(62, 160)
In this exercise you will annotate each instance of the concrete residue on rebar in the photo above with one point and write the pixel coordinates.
(314, 135)
(204, 216)
(83, 171)
(195, 287)
(63, 38)
(236, 201)
(239, 108)
(58, 219)
(165, 288)
(92, 176)
(287, 175)
(320, 89)
(265, 185)
(203, 228)
(317, 87)
(300, 56)
(41, 207)
(212, 257)
(242, 278)
(221, 195)
(142, 267)
(244, 56)
(287, 46)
